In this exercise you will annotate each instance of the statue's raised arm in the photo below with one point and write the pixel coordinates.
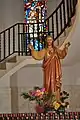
(62, 53)
(37, 55)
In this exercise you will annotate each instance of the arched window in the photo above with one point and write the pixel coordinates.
(35, 13)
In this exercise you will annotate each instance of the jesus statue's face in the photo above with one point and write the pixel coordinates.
(49, 41)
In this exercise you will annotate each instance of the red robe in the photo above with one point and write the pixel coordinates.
(52, 69)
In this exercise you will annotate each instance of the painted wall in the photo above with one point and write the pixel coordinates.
(52, 4)
(12, 11)
(5, 96)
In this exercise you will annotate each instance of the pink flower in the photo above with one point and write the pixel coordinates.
(38, 93)
(43, 90)
(32, 93)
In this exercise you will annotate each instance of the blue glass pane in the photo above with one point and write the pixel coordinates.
(36, 44)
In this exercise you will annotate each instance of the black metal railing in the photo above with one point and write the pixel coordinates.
(16, 38)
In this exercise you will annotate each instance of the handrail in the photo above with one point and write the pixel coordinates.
(15, 38)
(55, 10)
(8, 28)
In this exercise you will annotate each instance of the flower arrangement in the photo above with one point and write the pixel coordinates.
(37, 94)
(46, 102)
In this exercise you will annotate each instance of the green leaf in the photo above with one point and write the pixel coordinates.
(37, 88)
(25, 95)
(32, 98)
(67, 94)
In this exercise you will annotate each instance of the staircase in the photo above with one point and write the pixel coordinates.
(14, 53)
(14, 40)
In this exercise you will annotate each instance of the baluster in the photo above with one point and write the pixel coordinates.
(48, 26)
(4, 45)
(26, 44)
(18, 39)
(28, 34)
(23, 40)
(38, 36)
(22, 43)
(70, 3)
(44, 32)
(53, 26)
(8, 41)
(68, 15)
(57, 23)
(13, 39)
(0, 47)
(29, 41)
(25, 37)
(74, 6)
(26, 28)
(33, 37)
(60, 19)
(41, 14)
(41, 32)
(64, 16)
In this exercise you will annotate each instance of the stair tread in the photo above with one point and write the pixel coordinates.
(11, 65)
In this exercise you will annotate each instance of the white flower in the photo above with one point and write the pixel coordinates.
(67, 106)
(63, 104)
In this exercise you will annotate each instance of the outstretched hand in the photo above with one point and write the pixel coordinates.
(67, 45)
(30, 47)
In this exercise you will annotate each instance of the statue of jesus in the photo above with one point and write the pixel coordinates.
(51, 56)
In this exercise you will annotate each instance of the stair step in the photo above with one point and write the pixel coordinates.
(21, 58)
(10, 65)
(12, 59)
(3, 65)
(6, 66)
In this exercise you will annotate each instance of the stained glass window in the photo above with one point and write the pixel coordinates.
(35, 12)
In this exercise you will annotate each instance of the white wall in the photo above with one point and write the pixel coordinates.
(30, 75)
(27, 78)
(11, 12)
(71, 83)
(51, 5)
(5, 96)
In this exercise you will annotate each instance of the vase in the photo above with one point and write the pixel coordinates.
(39, 109)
